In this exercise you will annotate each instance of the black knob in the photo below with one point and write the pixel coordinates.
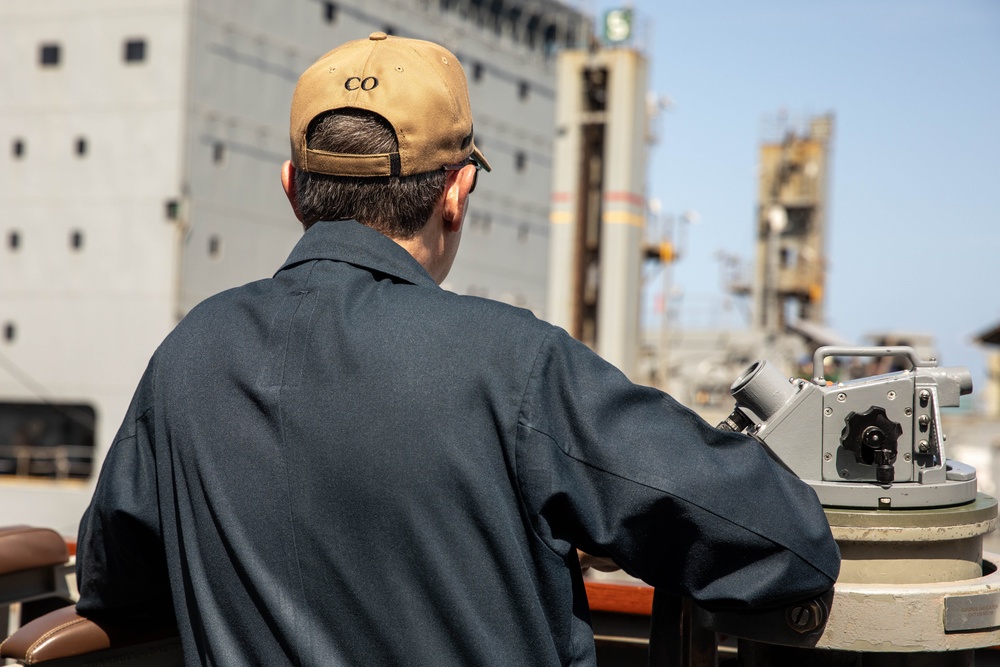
(873, 437)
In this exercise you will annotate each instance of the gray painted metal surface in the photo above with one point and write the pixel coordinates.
(599, 201)
(175, 195)
(872, 442)
(885, 618)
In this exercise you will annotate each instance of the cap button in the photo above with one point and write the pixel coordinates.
(377, 36)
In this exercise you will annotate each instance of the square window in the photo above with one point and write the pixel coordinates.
(48, 55)
(135, 50)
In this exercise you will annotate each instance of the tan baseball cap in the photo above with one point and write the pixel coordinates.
(419, 87)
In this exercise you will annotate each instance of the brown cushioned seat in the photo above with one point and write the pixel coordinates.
(26, 548)
(32, 562)
(62, 638)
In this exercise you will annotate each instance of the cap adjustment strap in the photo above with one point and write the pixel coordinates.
(350, 164)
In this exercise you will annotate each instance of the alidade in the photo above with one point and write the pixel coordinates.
(874, 442)
(915, 586)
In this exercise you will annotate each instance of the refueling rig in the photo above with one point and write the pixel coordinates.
(915, 586)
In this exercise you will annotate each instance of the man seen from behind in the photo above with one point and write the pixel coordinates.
(345, 464)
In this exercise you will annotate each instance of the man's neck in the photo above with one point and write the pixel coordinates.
(428, 247)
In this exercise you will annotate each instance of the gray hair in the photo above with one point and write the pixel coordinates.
(396, 206)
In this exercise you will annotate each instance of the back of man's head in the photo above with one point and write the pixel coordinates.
(374, 124)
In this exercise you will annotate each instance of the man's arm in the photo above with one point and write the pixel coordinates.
(625, 472)
(121, 567)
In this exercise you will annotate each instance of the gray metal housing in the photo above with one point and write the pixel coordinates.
(805, 424)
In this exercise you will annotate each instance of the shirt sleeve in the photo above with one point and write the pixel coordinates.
(625, 471)
(120, 564)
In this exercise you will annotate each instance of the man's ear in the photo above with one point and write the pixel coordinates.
(288, 183)
(456, 196)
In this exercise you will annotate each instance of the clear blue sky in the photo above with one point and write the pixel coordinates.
(914, 219)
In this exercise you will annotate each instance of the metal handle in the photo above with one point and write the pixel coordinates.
(837, 351)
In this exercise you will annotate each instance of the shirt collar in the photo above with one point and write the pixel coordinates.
(350, 241)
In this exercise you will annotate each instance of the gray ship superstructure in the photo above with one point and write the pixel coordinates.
(144, 139)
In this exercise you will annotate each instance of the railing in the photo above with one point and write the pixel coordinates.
(49, 461)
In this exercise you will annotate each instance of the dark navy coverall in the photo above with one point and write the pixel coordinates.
(348, 465)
